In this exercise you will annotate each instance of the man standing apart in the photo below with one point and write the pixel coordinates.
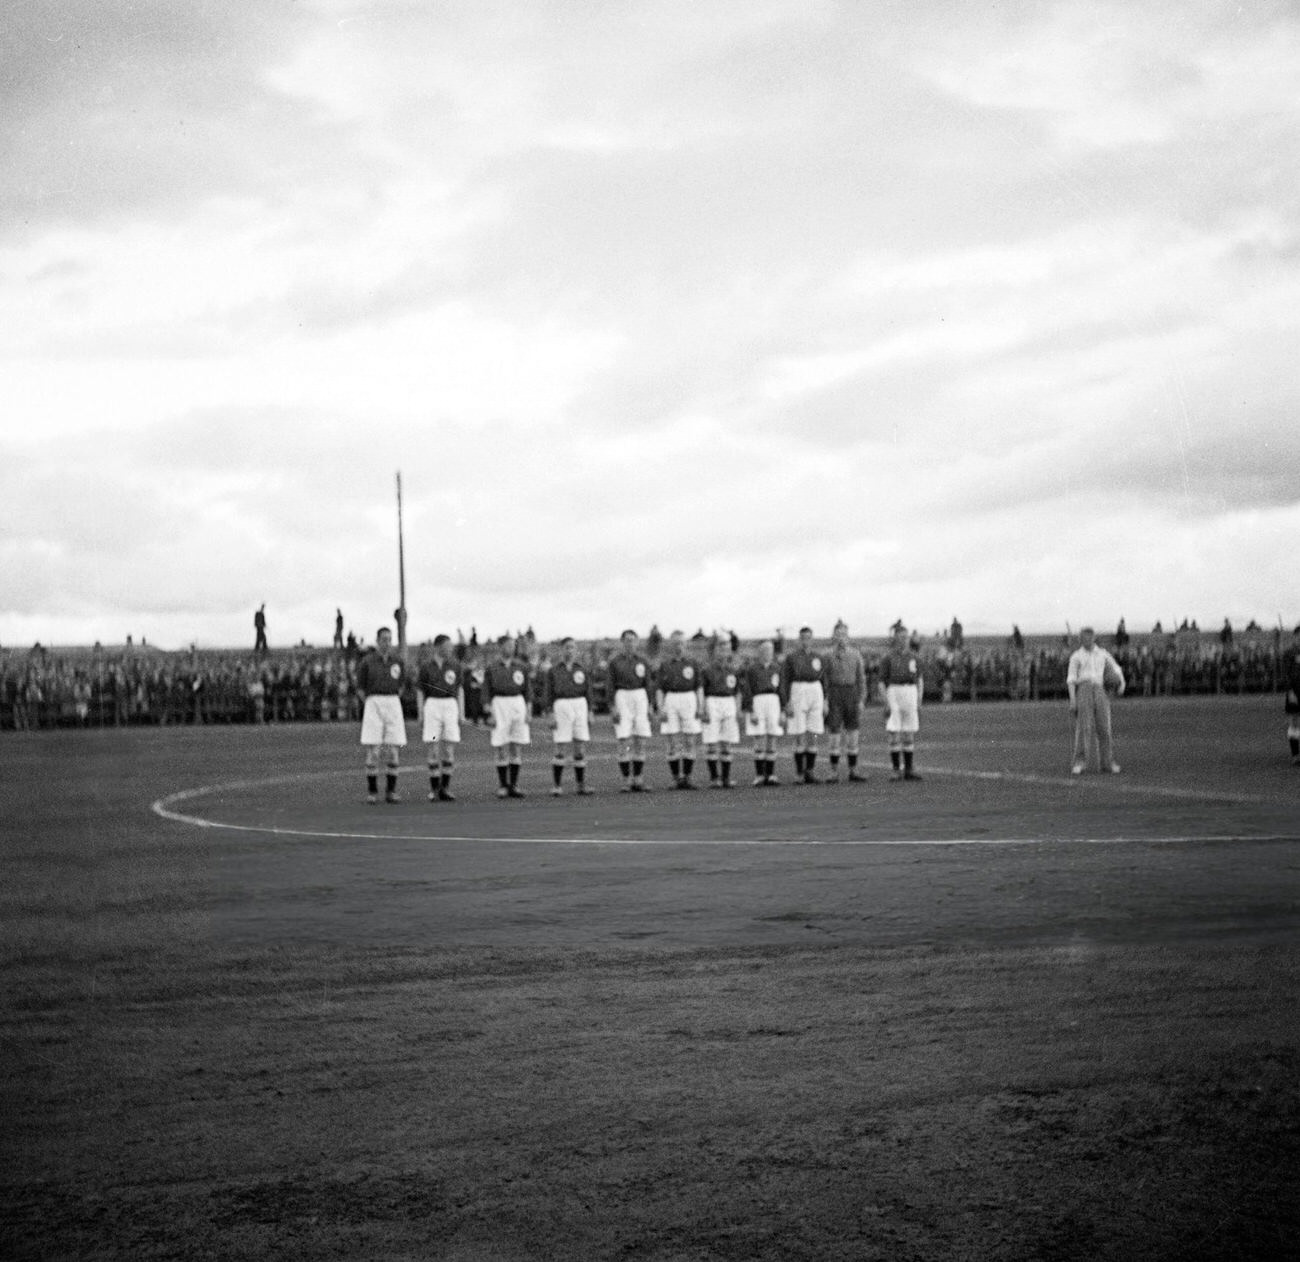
(1291, 674)
(259, 629)
(900, 691)
(505, 689)
(679, 703)
(761, 699)
(568, 696)
(805, 698)
(721, 683)
(629, 683)
(440, 690)
(845, 692)
(1090, 670)
(380, 677)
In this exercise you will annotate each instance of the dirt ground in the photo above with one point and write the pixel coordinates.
(1001, 1013)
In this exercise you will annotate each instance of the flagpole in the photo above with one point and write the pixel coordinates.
(401, 574)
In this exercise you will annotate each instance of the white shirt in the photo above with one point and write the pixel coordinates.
(1088, 666)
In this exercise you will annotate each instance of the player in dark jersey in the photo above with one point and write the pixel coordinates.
(630, 681)
(1291, 676)
(679, 703)
(721, 688)
(761, 700)
(381, 674)
(505, 690)
(567, 695)
(900, 691)
(802, 682)
(440, 692)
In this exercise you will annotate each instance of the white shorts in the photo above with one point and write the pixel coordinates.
(807, 701)
(509, 721)
(765, 716)
(631, 713)
(904, 708)
(681, 714)
(720, 724)
(382, 721)
(572, 721)
(441, 719)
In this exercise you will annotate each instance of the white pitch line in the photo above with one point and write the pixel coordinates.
(162, 808)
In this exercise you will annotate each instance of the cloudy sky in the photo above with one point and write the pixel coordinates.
(739, 313)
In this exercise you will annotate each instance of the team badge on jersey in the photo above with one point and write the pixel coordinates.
(579, 677)
(518, 677)
(776, 680)
(688, 672)
(449, 677)
(640, 670)
(731, 681)
(395, 670)
(816, 663)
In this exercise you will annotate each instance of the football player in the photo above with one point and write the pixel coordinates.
(900, 692)
(802, 674)
(440, 693)
(381, 674)
(505, 691)
(629, 685)
(761, 701)
(567, 695)
(679, 704)
(721, 686)
(846, 690)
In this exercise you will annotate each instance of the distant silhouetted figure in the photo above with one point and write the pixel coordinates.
(1017, 640)
(1225, 635)
(338, 628)
(1121, 635)
(259, 626)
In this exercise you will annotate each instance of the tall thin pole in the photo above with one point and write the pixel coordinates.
(401, 574)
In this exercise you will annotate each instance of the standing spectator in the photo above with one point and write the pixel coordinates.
(259, 629)
(1121, 635)
(1225, 634)
(338, 628)
(1018, 640)
(1091, 670)
(956, 636)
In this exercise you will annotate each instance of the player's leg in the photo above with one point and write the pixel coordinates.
(392, 761)
(1293, 738)
(372, 772)
(1105, 739)
(640, 734)
(519, 737)
(623, 719)
(690, 739)
(852, 737)
(433, 760)
(1079, 753)
(558, 759)
(580, 768)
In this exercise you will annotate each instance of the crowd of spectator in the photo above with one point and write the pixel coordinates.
(102, 687)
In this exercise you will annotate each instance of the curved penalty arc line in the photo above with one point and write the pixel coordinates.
(163, 808)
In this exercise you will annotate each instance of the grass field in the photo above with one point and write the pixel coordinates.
(1001, 1013)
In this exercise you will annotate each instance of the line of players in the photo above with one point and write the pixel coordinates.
(808, 692)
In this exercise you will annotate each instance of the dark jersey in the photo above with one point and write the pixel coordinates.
(505, 679)
(721, 680)
(758, 679)
(679, 674)
(380, 676)
(900, 666)
(629, 671)
(440, 679)
(564, 681)
(803, 666)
